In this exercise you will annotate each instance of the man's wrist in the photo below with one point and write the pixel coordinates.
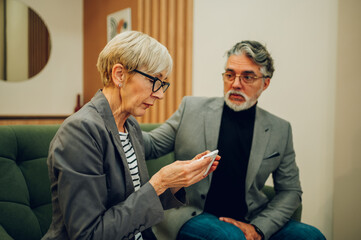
(259, 231)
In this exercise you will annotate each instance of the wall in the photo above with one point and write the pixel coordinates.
(301, 36)
(347, 177)
(17, 32)
(54, 89)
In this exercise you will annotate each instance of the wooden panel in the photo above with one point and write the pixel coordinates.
(189, 47)
(39, 48)
(170, 22)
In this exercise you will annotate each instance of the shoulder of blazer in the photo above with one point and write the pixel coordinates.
(202, 102)
(269, 117)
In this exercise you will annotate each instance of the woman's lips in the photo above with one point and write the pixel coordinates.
(147, 105)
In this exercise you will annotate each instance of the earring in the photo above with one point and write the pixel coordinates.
(119, 85)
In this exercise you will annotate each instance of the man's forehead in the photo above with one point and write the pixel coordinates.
(241, 63)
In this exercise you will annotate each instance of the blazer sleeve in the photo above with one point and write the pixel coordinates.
(76, 161)
(160, 141)
(288, 193)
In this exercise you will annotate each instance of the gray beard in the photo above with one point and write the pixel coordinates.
(249, 102)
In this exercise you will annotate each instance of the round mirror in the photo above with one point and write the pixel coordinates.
(24, 42)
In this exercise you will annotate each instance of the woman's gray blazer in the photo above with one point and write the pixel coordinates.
(92, 190)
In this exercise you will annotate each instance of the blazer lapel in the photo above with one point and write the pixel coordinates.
(102, 106)
(128, 178)
(139, 153)
(261, 134)
(212, 123)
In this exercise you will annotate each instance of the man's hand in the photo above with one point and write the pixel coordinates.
(247, 229)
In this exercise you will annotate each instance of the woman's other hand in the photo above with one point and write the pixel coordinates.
(182, 173)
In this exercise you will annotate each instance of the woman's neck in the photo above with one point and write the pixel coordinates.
(112, 94)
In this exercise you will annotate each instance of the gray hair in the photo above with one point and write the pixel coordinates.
(257, 53)
(134, 50)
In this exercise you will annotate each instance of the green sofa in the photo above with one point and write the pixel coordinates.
(25, 201)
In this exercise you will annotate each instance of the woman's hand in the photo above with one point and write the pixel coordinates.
(182, 173)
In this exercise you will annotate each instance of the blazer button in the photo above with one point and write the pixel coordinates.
(194, 213)
(203, 196)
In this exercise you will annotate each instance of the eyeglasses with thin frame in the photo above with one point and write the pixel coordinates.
(157, 83)
(230, 76)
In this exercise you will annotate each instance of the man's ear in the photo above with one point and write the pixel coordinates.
(267, 81)
(118, 74)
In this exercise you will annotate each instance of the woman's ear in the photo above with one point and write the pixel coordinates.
(118, 75)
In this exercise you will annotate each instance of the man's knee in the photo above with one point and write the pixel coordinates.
(298, 231)
(207, 226)
(228, 231)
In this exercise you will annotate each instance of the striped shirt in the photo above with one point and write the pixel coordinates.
(133, 166)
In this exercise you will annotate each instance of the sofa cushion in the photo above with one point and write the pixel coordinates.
(24, 182)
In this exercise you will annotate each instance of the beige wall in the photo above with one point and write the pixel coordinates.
(17, 44)
(347, 174)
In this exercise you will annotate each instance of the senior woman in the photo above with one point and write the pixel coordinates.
(99, 180)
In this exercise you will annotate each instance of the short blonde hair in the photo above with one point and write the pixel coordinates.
(134, 50)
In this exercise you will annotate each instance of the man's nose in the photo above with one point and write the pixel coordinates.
(237, 83)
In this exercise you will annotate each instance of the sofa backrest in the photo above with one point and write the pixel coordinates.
(25, 199)
(154, 165)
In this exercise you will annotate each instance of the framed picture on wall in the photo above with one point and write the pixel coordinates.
(118, 22)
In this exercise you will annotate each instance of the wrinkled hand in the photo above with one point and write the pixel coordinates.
(182, 173)
(247, 229)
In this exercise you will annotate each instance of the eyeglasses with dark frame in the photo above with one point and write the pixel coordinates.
(157, 83)
(230, 76)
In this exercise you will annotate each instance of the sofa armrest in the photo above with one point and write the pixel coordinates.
(4, 235)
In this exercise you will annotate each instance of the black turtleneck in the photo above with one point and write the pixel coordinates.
(226, 196)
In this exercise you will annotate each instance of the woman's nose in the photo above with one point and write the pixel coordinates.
(159, 94)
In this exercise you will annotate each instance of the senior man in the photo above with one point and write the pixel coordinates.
(253, 144)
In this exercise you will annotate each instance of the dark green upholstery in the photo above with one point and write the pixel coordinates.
(25, 198)
(25, 203)
(155, 164)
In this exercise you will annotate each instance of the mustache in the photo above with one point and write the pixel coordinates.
(238, 93)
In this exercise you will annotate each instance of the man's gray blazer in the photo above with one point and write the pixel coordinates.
(92, 190)
(194, 128)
